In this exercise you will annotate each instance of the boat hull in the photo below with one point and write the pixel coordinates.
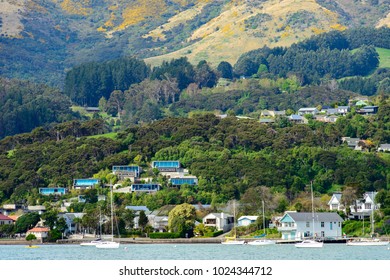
(262, 242)
(233, 242)
(309, 244)
(108, 245)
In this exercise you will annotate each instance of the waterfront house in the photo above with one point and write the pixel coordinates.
(41, 233)
(5, 220)
(85, 183)
(335, 203)
(71, 222)
(159, 223)
(299, 225)
(221, 221)
(363, 208)
(52, 191)
(246, 220)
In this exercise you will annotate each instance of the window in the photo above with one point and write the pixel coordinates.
(322, 233)
(307, 224)
(322, 224)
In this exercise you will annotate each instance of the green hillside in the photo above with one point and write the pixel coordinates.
(384, 57)
(70, 32)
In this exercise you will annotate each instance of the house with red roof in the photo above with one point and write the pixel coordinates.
(5, 220)
(40, 232)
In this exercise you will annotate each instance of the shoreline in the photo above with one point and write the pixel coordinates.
(144, 240)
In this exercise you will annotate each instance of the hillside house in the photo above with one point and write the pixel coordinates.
(352, 143)
(384, 148)
(166, 165)
(297, 119)
(308, 111)
(299, 225)
(152, 187)
(52, 191)
(368, 110)
(85, 183)
(186, 180)
(126, 171)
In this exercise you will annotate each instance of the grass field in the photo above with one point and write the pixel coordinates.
(384, 57)
(111, 135)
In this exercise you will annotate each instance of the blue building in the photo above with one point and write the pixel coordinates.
(190, 180)
(85, 183)
(126, 170)
(166, 165)
(145, 187)
(54, 191)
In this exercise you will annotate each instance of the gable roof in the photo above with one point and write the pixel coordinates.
(219, 215)
(5, 218)
(39, 229)
(321, 216)
(335, 196)
(252, 218)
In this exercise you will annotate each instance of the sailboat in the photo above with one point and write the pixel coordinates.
(109, 244)
(97, 240)
(372, 241)
(233, 239)
(262, 242)
(310, 243)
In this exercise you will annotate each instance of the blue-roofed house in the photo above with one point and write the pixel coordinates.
(53, 191)
(85, 183)
(368, 110)
(246, 220)
(126, 171)
(166, 165)
(299, 225)
(186, 180)
(151, 187)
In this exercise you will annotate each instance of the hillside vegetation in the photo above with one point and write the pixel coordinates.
(70, 32)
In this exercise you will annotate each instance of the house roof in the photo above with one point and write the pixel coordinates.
(252, 218)
(308, 109)
(5, 218)
(137, 208)
(321, 216)
(219, 215)
(39, 229)
(336, 196)
(296, 117)
(384, 146)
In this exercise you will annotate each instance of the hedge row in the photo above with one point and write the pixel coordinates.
(166, 235)
(213, 234)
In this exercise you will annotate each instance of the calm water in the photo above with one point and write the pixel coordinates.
(195, 252)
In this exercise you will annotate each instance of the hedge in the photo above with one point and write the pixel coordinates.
(213, 234)
(162, 235)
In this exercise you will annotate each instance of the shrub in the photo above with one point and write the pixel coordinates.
(164, 235)
(213, 234)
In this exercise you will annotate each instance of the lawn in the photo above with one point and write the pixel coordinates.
(384, 57)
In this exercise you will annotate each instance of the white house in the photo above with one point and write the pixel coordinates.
(384, 148)
(304, 111)
(363, 207)
(40, 232)
(342, 110)
(159, 223)
(72, 226)
(335, 203)
(221, 221)
(246, 220)
(299, 225)
(4, 220)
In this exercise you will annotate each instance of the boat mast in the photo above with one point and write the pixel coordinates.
(112, 216)
(312, 205)
(263, 216)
